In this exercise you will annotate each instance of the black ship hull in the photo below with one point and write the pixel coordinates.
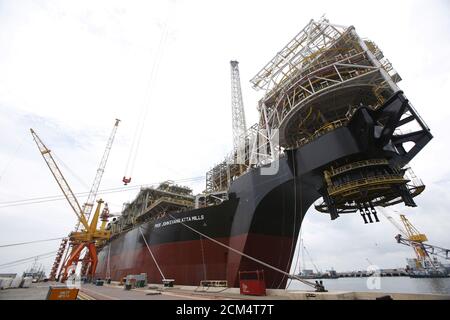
(261, 218)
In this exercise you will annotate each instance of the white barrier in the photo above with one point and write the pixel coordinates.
(26, 282)
(5, 283)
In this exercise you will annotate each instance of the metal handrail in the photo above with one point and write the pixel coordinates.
(355, 183)
(356, 165)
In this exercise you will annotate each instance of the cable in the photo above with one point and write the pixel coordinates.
(28, 242)
(108, 268)
(42, 199)
(8, 164)
(144, 110)
(246, 255)
(26, 259)
(104, 190)
(296, 261)
(151, 253)
(67, 168)
(291, 253)
(203, 259)
(18, 264)
(310, 258)
(59, 197)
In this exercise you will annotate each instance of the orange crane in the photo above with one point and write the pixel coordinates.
(89, 235)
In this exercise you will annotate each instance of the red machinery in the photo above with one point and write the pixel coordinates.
(252, 283)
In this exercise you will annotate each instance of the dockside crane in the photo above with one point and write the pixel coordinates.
(310, 259)
(89, 235)
(60, 179)
(410, 236)
(89, 204)
(429, 248)
(417, 240)
(417, 237)
(237, 107)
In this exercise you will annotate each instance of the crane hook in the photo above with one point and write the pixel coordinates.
(126, 180)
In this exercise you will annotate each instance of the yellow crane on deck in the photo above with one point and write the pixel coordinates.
(410, 236)
(89, 235)
(417, 240)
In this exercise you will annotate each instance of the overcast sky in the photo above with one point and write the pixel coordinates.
(69, 68)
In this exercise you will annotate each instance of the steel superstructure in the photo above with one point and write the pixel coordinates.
(329, 130)
(313, 86)
(237, 107)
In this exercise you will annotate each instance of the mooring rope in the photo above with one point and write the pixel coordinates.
(302, 215)
(151, 253)
(295, 215)
(311, 284)
(108, 268)
(203, 257)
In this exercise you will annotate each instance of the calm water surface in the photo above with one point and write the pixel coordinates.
(386, 284)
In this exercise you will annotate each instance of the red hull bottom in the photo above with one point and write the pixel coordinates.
(189, 262)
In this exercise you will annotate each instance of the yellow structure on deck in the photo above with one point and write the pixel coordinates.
(414, 235)
(88, 236)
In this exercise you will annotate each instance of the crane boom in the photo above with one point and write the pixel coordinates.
(428, 248)
(237, 106)
(394, 223)
(413, 238)
(89, 204)
(59, 177)
(411, 231)
(312, 262)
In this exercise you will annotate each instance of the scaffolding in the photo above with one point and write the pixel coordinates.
(312, 86)
(318, 78)
(153, 203)
(237, 107)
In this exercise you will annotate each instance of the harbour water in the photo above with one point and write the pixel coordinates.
(382, 284)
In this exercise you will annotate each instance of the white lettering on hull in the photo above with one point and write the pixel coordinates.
(179, 220)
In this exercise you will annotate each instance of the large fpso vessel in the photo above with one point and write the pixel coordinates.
(334, 131)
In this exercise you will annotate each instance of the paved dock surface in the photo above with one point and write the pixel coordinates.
(115, 292)
(37, 291)
(109, 292)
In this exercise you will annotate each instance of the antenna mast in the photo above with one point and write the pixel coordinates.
(237, 105)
